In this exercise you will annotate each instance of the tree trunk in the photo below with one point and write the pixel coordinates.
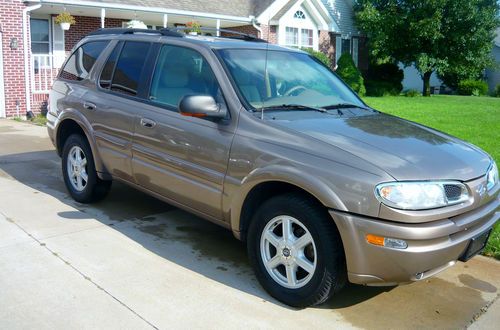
(427, 83)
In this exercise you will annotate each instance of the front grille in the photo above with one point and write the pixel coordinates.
(452, 191)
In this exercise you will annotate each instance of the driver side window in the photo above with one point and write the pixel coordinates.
(179, 72)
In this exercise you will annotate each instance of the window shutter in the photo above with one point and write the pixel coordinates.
(355, 50)
(338, 48)
(58, 50)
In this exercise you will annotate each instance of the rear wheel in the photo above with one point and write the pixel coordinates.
(296, 251)
(79, 172)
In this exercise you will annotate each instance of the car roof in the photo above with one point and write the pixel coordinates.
(213, 42)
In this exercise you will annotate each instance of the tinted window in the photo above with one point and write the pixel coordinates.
(129, 66)
(179, 72)
(82, 60)
(109, 67)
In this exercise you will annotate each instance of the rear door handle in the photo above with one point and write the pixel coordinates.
(148, 123)
(89, 105)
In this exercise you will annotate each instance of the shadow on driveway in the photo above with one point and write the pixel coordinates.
(200, 246)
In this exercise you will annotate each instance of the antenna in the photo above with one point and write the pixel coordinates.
(266, 75)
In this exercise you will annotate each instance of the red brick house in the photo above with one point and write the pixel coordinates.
(33, 47)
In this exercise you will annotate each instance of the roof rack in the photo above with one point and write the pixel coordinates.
(235, 34)
(163, 32)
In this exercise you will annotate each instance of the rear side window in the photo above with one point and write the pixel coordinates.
(82, 60)
(125, 72)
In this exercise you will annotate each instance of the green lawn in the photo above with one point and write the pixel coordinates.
(474, 119)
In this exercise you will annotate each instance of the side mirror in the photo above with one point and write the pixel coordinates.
(202, 106)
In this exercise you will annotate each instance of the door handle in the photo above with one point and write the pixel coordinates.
(89, 105)
(148, 123)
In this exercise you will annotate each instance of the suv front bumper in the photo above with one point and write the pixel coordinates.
(432, 246)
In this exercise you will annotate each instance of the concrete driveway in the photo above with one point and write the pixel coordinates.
(132, 261)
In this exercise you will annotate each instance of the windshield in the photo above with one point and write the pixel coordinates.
(291, 78)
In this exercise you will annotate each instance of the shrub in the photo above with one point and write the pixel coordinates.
(412, 93)
(472, 87)
(322, 57)
(496, 92)
(348, 71)
(384, 79)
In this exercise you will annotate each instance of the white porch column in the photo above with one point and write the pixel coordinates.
(218, 27)
(165, 20)
(103, 17)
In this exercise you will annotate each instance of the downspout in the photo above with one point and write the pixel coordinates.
(256, 27)
(27, 62)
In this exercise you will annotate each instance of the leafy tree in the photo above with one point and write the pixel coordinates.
(322, 57)
(450, 37)
(348, 71)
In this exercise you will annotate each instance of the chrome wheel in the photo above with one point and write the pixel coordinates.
(77, 168)
(288, 252)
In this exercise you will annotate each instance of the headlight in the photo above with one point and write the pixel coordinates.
(492, 176)
(422, 195)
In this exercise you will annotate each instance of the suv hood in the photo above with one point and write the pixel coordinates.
(403, 149)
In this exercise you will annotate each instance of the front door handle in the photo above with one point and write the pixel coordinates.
(148, 123)
(89, 105)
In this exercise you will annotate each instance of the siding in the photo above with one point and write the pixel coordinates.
(343, 14)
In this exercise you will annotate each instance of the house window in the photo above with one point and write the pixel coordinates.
(299, 14)
(40, 36)
(346, 46)
(306, 38)
(296, 37)
(292, 36)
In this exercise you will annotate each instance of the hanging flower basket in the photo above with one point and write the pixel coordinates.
(136, 24)
(65, 20)
(193, 28)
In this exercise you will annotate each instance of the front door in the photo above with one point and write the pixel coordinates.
(182, 158)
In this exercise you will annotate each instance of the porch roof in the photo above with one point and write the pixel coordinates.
(228, 10)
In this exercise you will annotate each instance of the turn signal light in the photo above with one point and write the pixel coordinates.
(394, 243)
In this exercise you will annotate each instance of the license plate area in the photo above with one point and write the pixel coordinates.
(476, 245)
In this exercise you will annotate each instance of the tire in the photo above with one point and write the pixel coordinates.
(90, 190)
(325, 252)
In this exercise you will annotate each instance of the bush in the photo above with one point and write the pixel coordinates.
(472, 87)
(412, 93)
(348, 71)
(496, 92)
(322, 57)
(384, 79)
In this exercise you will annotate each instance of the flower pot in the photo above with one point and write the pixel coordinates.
(65, 26)
(193, 33)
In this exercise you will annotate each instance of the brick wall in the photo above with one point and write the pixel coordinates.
(326, 44)
(11, 23)
(248, 29)
(84, 25)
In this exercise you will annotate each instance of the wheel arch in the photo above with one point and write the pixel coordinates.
(71, 125)
(262, 186)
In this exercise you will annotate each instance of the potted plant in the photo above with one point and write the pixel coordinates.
(136, 24)
(65, 20)
(193, 28)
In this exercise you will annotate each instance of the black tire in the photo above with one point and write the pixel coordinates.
(95, 189)
(330, 273)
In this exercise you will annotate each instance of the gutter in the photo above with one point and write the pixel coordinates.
(256, 26)
(124, 7)
(27, 63)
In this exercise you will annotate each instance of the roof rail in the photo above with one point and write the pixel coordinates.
(235, 34)
(163, 32)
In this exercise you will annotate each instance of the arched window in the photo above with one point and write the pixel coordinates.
(299, 14)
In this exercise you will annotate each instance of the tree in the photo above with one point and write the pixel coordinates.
(450, 37)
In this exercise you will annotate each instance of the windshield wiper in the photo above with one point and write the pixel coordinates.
(291, 107)
(339, 106)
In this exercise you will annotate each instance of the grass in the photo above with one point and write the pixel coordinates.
(39, 120)
(474, 119)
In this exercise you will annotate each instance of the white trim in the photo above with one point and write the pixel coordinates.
(218, 27)
(103, 18)
(2, 85)
(119, 6)
(317, 8)
(165, 20)
(58, 47)
(27, 51)
(309, 23)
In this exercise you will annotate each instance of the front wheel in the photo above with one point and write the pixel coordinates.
(79, 171)
(296, 251)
